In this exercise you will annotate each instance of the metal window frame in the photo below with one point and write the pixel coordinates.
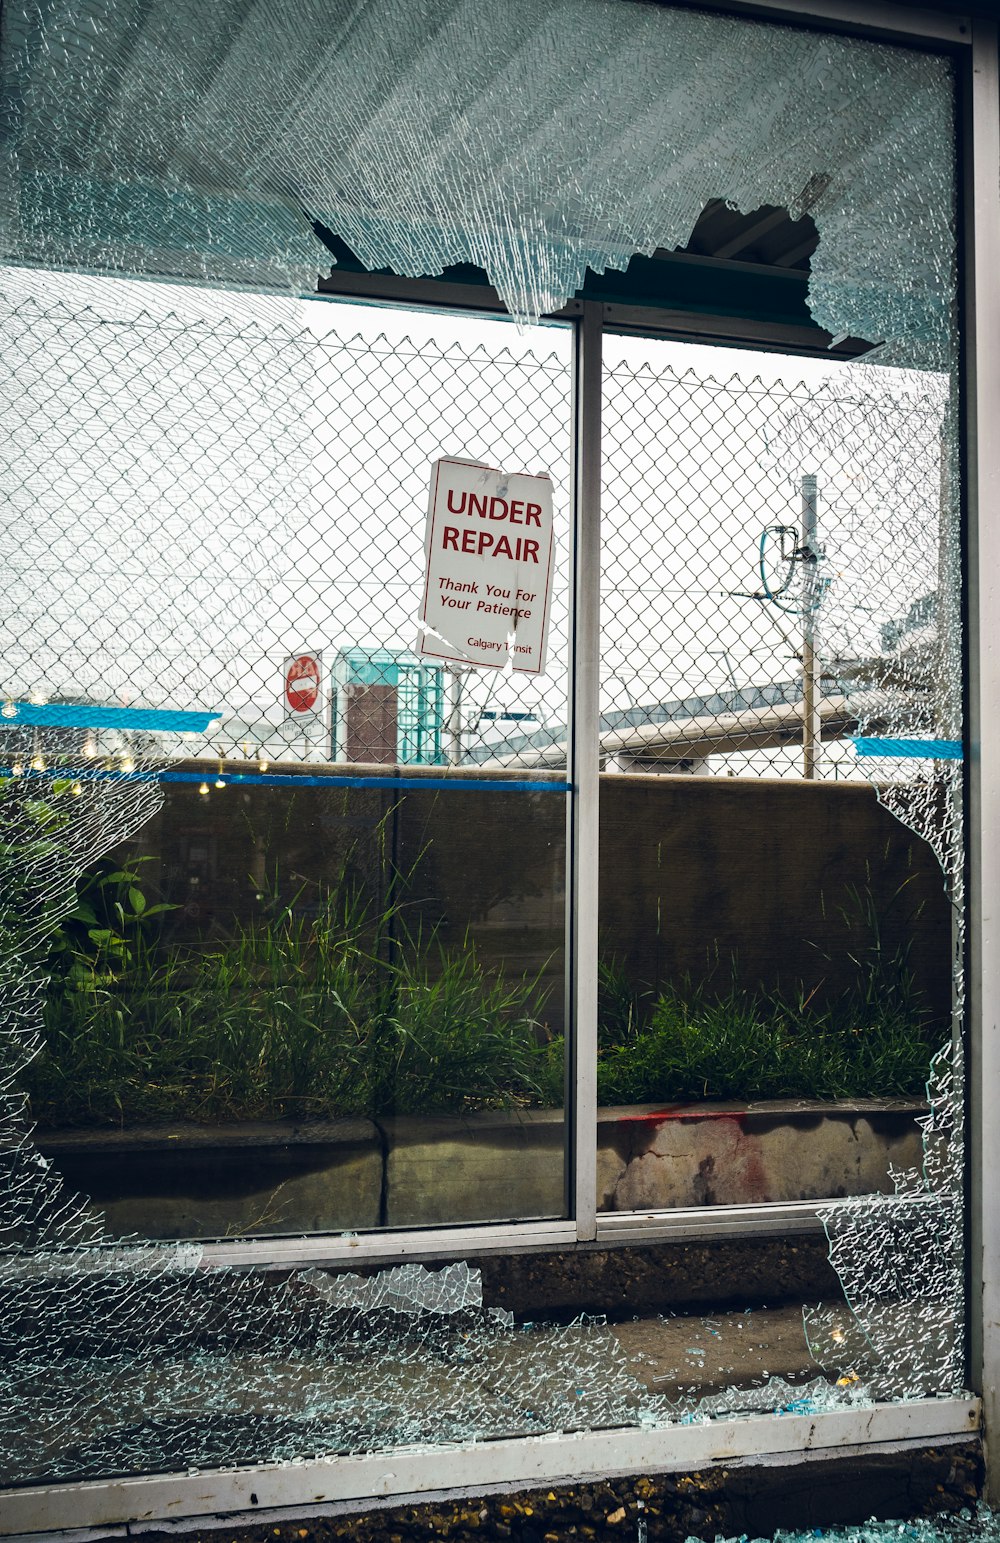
(106, 1506)
(412, 1473)
(582, 890)
(981, 165)
(618, 316)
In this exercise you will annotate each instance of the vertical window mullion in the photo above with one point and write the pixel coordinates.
(584, 767)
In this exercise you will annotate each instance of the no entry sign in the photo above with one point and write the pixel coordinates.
(488, 573)
(302, 675)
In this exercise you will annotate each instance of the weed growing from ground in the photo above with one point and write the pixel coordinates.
(337, 1009)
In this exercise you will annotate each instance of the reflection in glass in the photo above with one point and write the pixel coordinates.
(314, 1009)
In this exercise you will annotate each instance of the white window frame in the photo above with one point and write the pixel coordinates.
(253, 1493)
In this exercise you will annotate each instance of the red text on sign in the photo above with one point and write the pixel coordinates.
(483, 543)
(516, 510)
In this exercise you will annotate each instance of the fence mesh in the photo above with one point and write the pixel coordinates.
(193, 505)
(767, 546)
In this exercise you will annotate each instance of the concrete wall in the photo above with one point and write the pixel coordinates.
(698, 872)
(204, 1181)
(767, 879)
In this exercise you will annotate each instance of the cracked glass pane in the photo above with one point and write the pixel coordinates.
(781, 601)
(165, 141)
(177, 460)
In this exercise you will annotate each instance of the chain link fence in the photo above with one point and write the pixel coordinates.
(229, 516)
(770, 569)
(222, 515)
(198, 508)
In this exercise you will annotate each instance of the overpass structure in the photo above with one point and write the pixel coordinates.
(680, 736)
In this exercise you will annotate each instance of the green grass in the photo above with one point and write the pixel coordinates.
(306, 1016)
(694, 1043)
(336, 1010)
(751, 1046)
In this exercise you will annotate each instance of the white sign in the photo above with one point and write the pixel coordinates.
(489, 559)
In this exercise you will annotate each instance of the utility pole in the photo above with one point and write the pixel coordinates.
(812, 741)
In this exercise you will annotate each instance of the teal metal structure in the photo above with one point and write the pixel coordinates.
(420, 701)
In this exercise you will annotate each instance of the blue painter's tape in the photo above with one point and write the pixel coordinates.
(912, 749)
(402, 784)
(84, 715)
(291, 780)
